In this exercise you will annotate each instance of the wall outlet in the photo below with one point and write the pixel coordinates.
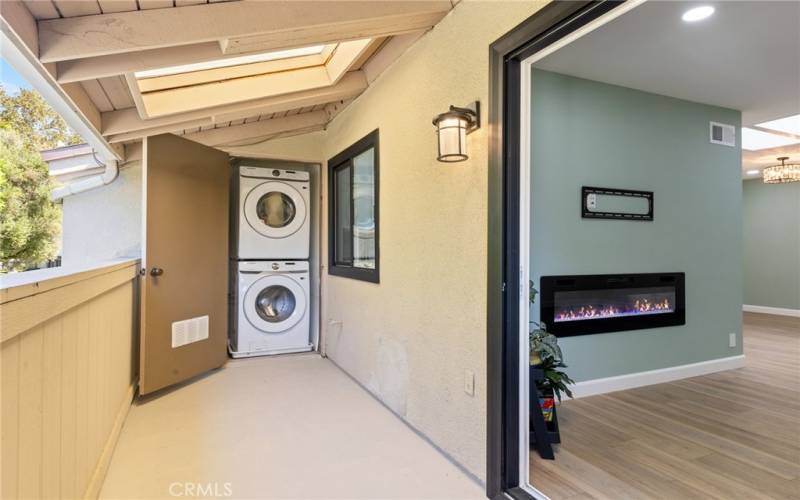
(731, 340)
(469, 382)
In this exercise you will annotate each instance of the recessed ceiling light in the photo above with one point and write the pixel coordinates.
(789, 125)
(754, 140)
(232, 61)
(698, 13)
(752, 172)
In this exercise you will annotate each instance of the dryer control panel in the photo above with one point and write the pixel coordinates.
(274, 173)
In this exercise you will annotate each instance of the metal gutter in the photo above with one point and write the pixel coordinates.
(95, 181)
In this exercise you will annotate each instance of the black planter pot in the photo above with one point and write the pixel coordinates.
(549, 430)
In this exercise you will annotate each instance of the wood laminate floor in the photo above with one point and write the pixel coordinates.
(729, 435)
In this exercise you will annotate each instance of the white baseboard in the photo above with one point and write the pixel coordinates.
(650, 377)
(780, 311)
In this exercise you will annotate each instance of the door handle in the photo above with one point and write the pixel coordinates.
(156, 271)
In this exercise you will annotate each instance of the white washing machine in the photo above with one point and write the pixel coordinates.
(273, 309)
(274, 214)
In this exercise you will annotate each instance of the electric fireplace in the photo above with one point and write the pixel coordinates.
(600, 303)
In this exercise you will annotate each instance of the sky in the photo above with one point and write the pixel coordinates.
(10, 79)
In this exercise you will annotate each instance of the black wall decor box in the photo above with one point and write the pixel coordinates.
(588, 213)
(601, 303)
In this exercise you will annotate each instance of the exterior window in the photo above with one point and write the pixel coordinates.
(353, 211)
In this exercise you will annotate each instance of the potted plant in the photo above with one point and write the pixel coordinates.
(545, 355)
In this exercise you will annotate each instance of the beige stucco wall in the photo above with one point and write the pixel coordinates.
(104, 223)
(411, 339)
(307, 147)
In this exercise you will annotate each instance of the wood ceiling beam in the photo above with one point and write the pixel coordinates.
(276, 25)
(305, 122)
(126, 125)
(119, 64)
(18, 44)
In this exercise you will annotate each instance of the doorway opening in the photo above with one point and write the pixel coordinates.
(611, 116)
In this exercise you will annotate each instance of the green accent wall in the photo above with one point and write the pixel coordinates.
(586, 133)
(771, 244)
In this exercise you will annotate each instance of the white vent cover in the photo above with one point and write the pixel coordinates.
(721, 133)
(189, 330)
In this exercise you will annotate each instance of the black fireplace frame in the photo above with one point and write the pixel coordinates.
(549, 285)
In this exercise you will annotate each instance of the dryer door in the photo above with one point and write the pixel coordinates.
(275, 209)
(275, 303)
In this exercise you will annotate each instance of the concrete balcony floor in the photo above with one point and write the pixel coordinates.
(283, 427)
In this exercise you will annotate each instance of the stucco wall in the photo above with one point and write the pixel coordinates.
(411, 338)
(104, 223)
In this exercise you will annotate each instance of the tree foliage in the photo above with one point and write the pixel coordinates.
(34, 120)
(29, 221)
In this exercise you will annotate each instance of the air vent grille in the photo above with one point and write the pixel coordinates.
(189, 330)
(721, 133)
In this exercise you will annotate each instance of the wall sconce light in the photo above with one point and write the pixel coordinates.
(452, 128)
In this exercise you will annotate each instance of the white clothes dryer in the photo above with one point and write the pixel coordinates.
(274, 214)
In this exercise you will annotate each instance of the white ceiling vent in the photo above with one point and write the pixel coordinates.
(721, 133)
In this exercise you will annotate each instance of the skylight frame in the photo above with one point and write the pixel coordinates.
(786, 125)
(274, 55)
(758, 140)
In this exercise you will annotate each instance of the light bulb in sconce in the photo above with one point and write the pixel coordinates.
(452, 128)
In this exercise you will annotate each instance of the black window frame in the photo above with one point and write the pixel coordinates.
(345, 158)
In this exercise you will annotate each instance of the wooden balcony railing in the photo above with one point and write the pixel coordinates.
(68, 341)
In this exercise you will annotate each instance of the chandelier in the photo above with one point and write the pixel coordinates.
(782, 173)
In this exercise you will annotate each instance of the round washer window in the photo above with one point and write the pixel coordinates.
(275, 303)
(276, 209)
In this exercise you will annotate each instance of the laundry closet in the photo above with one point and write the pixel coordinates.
(231, 259)
(271, 276)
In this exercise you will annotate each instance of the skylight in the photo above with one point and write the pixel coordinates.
(789, 125)
(755, 140)
(233, 61)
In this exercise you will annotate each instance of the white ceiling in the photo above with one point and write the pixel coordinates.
(746, 56)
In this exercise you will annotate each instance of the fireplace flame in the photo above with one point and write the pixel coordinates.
(639, 306)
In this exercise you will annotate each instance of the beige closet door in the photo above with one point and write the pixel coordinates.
(185, 261)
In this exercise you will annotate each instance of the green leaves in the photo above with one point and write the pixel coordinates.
(29, 115)
(546, 354)
(29, 221)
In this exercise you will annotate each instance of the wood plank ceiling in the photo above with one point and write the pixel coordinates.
(79, 46)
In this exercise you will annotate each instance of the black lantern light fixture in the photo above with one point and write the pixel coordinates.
(452, 128)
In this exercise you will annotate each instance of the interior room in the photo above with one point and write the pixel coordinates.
(656, 145)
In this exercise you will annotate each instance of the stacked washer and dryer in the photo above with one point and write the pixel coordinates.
(270, 279)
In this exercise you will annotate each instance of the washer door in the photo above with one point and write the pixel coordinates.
(275, 209)
(274, 304)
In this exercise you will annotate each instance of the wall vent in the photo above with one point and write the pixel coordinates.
(721, 133)
(189, 330)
